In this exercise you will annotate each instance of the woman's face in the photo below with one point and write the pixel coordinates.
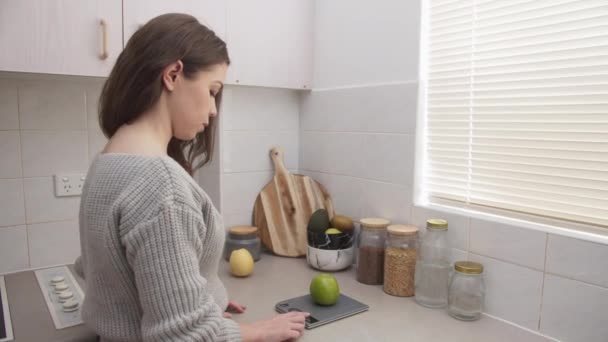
(193, 101)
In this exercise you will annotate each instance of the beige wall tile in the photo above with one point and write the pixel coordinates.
(52, 105)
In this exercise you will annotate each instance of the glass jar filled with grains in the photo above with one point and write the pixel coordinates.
(433, 266)
(400, 260)
(467, 291)
(370, 261)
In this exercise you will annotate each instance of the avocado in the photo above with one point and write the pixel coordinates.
(343, 223)
(319, 221)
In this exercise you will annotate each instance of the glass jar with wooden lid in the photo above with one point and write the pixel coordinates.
(400, 260)
(243, 237)
(370, 260)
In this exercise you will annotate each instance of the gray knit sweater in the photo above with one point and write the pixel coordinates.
(151, 242)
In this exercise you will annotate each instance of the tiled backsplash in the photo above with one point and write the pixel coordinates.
(254, 120)
(48, 125)
(45, 129)
(359, 143)
(544, 282)
(551, 284)
(361, 150)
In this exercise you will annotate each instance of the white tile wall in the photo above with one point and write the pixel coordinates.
(342, 153)
(53, 243)
(59, 133)
(46, 153)
(41, 205)
(512, 292)
(9, 105)
(52, 105)
(253, 121)
(358, 141)
(382, 108)
(209, 176)
(388, 158)
(249, 151)
(48, 125)
(241, 189)
(10, 154)
(12, 209)
(580, 260)
(345, 191)
(381, 199)
(97, 140)
(237, 219)
(574, 311)
(13, 249)
(260, 109)
(314, 151)
(520, 246)
(458, 226)
(458, 255)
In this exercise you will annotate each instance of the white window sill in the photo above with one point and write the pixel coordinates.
(579, 231)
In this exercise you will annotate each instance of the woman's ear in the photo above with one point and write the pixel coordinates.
(171, 74)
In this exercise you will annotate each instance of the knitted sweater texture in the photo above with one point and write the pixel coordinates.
(151, 242)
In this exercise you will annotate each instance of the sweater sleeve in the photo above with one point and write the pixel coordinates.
(78, 267)
(163, 254)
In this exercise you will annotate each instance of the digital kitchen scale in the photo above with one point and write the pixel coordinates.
(320, 315)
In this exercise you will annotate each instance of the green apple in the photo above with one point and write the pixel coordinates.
(324, 289)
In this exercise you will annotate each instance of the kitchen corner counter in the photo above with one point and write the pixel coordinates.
(30, 315)
(388, 319)
(273, 280)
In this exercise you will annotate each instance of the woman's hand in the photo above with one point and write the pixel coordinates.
(234, 307)
(284, 327)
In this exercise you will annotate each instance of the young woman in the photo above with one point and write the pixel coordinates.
(151, 239)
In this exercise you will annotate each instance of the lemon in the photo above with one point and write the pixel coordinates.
(324, 289)
(333, 231)
(241, 263)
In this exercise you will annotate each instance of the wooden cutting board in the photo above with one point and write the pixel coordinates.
(284, 206)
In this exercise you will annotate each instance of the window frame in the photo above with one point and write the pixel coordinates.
(528, 221)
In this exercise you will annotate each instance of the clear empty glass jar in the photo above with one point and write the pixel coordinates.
(400, 260)
(433, 266)
(370, 261)
(467, 291)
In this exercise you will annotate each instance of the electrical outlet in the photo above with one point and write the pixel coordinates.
(69, 185)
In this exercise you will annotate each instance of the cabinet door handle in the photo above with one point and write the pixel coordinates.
(104, 40)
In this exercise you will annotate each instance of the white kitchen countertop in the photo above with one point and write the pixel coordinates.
(389, 318)
(276, 279)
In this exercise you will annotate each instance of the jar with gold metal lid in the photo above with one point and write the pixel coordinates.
(370, 260)
(467, 291)
(433, 265)
(243, 237)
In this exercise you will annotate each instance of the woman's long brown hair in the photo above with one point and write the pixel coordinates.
(135, 83)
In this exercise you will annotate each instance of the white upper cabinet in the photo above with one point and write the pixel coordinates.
(72, 37)
(270, 42)
(211, 13)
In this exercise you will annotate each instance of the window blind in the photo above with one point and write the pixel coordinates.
(517, 106)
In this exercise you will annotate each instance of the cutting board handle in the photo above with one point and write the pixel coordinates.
(277, 154)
